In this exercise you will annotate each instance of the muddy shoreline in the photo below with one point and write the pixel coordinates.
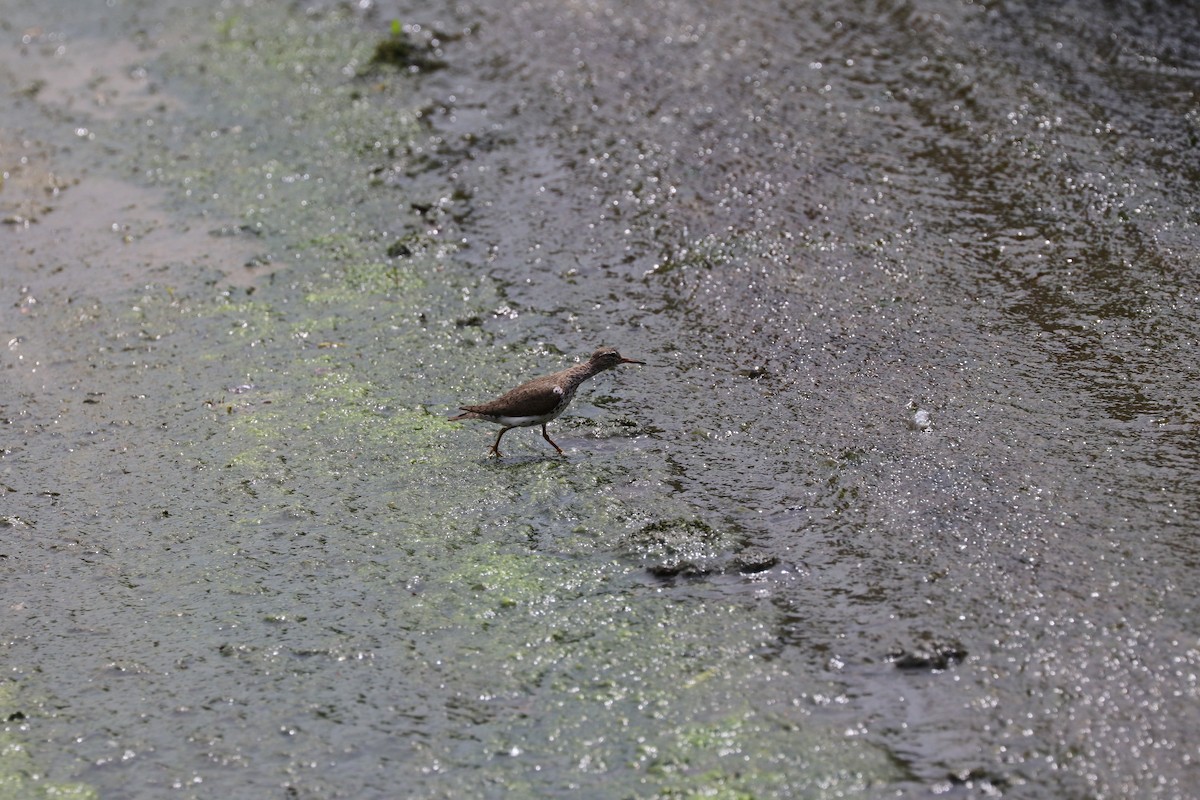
(900, 504)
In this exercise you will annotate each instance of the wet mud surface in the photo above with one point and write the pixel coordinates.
(902, 503)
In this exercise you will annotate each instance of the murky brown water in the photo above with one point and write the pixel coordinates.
(904, 503)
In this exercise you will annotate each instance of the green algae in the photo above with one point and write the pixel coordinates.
(357, 267)
(283, 175)
(367, 278)
(753, 755)
(19, 775)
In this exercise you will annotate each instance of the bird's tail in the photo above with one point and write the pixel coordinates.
(468, 415)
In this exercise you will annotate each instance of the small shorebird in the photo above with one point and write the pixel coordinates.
(542, 399)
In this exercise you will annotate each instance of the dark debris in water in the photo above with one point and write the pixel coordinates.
(932, 654)
(399, 51)
(676, 569)
(417, 48)
(747, 565)
(401, 248)
(683, 547)
(231, 650)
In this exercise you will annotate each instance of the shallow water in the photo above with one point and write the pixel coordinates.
(903, 503)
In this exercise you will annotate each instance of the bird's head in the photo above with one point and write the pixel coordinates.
(608, 357)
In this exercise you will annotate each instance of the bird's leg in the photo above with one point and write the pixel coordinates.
(495, 448)
(546, 436)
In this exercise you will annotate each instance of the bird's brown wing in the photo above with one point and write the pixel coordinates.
(532, 399)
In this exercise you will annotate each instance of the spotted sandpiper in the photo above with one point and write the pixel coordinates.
(542, 399)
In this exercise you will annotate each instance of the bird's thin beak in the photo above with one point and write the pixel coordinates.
(632, 361)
